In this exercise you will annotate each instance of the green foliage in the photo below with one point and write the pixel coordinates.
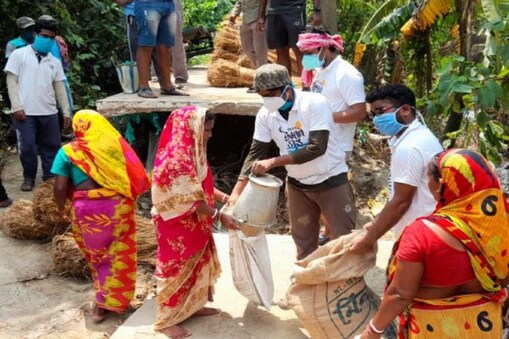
(208, 13)
(482, 87)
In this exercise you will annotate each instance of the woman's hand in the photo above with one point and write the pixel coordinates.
(228, 221)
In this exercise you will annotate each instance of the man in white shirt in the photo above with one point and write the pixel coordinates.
(300, 124)
(336, 79)
(34, 79)
(413, 146)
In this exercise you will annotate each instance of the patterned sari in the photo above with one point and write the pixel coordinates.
(474, 211)
(103, 219)
(187, 265)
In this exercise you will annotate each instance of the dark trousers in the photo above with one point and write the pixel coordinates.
(3, 193)
(38, 133)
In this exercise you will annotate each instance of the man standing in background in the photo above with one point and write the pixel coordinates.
(26, 36)
(34, 79)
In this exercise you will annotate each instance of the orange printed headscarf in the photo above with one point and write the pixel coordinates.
(105, 156)
(181, 164)
(473, 209)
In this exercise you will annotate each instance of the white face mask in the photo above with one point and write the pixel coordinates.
(272, 104)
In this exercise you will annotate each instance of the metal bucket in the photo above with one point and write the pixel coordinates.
(128, 76)
(257, 205)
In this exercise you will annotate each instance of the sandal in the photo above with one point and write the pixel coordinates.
(6, 203)
(146, 92)
(172, 91)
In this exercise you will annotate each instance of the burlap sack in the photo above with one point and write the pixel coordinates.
(328, 291)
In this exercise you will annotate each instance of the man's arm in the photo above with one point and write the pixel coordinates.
(63, 101)
(317, 13)
(317, 146)
(354, 113)
(390, 215)
(257, 151)
(13, 91)
(260, 26)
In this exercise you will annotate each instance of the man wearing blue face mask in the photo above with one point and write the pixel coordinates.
(300, 123)
(26, 35)
(34, 79)
(412, 145)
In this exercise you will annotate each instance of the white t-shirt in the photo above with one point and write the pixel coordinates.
(310, 112)
(343, 85)
(411, 154)
(35, 80)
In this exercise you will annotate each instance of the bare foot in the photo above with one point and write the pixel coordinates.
(206, 311)
(176, 332)
(99, 314)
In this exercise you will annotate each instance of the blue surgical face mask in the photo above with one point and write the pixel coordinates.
(42, 44)
(288, 103)
(312, 61)
(387, 123)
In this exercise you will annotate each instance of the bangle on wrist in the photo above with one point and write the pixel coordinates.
(373, 329)
(225, 198)
(216, 211)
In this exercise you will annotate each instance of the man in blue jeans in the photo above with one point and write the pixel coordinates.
(34, 79)
(157, 20)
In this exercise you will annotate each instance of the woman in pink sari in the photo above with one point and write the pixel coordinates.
(183, 195)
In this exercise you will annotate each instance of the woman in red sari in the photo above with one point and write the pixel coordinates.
(183, 195)
(105, 177)
(448, 272)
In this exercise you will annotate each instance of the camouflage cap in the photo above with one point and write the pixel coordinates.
(24, 22)
(271, 76)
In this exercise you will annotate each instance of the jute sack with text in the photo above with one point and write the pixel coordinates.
(328, 291)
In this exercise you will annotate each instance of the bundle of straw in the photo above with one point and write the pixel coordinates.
(45, 208)
(223, 54)
(146, 241)
(67, 258)
(224, 73)
(243, 61)
(228, 38)
(18, 222)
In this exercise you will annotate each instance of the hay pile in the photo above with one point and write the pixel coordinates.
(146, 241)
(45, 207)
(230, 67)
(67, 258)
(224, 73)
(18, 222)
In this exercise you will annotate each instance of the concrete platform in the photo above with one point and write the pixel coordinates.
(235, 101)
(241, 319)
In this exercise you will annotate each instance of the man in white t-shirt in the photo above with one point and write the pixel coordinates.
(413, 146)
(336, 79)
(34, 79)
(300, 124)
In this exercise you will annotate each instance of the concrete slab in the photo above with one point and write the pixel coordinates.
(235, 101)
(241, 319)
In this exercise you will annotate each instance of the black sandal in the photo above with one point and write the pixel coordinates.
(172, 91)
(146, 92)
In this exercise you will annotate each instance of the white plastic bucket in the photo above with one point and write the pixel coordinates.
(127, 73)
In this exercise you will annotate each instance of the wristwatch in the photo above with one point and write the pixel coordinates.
(317, 9)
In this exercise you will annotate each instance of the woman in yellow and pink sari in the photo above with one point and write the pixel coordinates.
(448, 271)
(105, 177)
(183, 195)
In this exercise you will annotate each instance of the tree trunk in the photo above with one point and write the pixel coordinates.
(466, 10)
(329, 15)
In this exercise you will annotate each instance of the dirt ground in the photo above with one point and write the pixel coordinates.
(36, 303)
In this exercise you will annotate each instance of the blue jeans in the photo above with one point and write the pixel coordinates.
(38, 133)
(157, 22)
